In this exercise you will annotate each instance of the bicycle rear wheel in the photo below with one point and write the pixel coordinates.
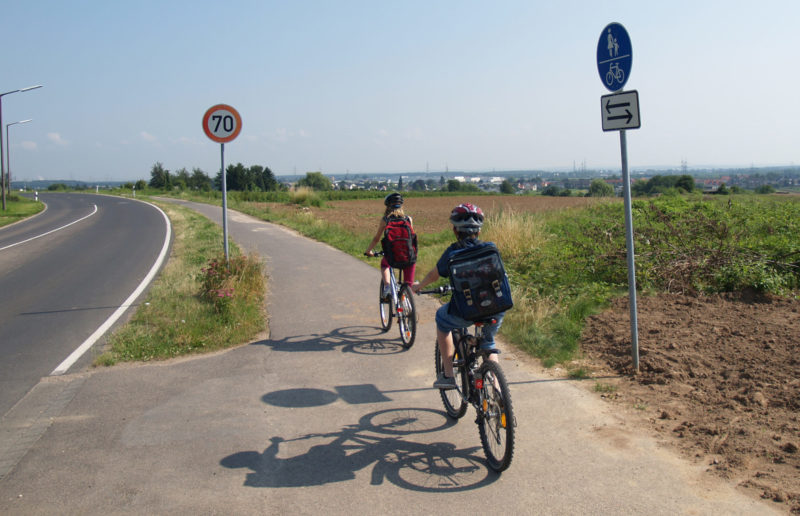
(407, 316)
(385, 307)
(454, 400)
(496, 417)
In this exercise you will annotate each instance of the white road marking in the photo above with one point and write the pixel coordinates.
(51, 231)
(88, 343)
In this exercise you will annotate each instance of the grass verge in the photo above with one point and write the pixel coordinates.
(196, 304)
(18, 208)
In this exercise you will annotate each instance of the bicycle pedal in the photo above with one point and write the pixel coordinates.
(458, 363)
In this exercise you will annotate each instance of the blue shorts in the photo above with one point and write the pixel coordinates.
(448, 322)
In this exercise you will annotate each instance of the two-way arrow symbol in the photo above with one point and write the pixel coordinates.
(620, 111)
(610, 106)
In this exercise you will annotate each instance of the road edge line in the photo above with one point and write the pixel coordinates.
(64, 366)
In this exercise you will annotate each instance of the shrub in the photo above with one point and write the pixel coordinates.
(226, 286)
(306, 196)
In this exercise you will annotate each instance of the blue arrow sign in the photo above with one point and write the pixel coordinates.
(614, 56)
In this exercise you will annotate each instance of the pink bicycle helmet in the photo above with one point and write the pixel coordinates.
(467, 218)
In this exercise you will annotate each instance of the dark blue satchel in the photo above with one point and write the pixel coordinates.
(479, 281)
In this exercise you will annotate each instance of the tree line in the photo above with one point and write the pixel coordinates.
(237, 177)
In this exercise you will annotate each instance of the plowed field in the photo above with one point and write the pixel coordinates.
(431, 214)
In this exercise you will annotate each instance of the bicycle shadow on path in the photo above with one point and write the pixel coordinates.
(379, 438)
(364, 340)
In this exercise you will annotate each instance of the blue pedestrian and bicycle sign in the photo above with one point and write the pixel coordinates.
(614, 56)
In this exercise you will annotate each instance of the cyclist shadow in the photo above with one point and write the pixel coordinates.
(365, 340)
(377, 439)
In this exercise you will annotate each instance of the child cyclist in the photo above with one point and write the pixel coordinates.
(467, 220)
(394, 210)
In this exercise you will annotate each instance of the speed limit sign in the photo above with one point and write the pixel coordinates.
(222, 123)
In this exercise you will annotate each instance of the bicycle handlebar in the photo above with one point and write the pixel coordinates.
(444, 289)
(374, 254)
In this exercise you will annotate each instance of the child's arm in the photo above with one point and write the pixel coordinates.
(375, 239)
(429, 278)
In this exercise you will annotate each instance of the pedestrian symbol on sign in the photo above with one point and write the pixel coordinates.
(613, 45)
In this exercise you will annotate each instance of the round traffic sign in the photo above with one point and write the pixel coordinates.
(614, 56)
(222, 123)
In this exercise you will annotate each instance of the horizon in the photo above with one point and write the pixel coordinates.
(720, 171)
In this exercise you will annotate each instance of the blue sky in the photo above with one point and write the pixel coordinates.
(391, 86)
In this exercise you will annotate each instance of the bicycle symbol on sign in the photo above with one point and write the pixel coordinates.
(614, 73)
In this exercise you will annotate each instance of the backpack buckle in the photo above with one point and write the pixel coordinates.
(497, 291)
(467, 295)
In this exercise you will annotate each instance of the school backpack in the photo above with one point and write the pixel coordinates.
(399, 243)
(479, 281)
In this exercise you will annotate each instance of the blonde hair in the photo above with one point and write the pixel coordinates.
(394, 212)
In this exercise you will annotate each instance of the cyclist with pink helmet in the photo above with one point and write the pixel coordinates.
(467, 220)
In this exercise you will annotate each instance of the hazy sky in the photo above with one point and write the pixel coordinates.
(392, 86)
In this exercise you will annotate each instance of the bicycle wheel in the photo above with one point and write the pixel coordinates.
(454, 400)
(496, 417)
(407, 316)
(385, 306)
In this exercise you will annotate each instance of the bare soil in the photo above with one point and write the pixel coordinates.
(719, 380)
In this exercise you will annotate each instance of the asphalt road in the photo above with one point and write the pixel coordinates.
(327, 415)
(63, 273)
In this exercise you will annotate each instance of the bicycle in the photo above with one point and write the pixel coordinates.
(482, 384)
(400, 305)
(614, 73)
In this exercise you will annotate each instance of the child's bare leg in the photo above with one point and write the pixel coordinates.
(447, 349)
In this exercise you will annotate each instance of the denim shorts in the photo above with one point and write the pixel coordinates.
(448, 322)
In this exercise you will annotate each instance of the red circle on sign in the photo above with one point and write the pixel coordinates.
(222, 123)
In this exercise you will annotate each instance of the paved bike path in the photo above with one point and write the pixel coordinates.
(328, 415)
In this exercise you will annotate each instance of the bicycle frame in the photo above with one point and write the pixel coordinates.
(468, 345)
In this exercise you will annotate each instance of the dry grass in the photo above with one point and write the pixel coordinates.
(516, 234)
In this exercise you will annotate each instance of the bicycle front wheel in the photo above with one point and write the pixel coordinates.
(454, 400)
(385, 307)
(496, 417)
(407, 316)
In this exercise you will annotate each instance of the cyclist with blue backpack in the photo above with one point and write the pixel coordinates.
(398, 240)
(481, 291)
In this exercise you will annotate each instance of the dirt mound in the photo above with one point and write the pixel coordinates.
(719, 378)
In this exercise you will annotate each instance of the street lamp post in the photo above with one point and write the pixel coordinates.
(2, 162)
(8, 151)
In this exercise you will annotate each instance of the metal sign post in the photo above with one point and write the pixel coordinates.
(222, 124)
(620, 112)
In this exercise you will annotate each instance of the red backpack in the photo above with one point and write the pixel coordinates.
(399, 243)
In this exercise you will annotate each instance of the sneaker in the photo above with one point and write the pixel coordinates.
(387, 292)
(444, 382)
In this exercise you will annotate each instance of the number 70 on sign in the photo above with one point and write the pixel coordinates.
(222, 123)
